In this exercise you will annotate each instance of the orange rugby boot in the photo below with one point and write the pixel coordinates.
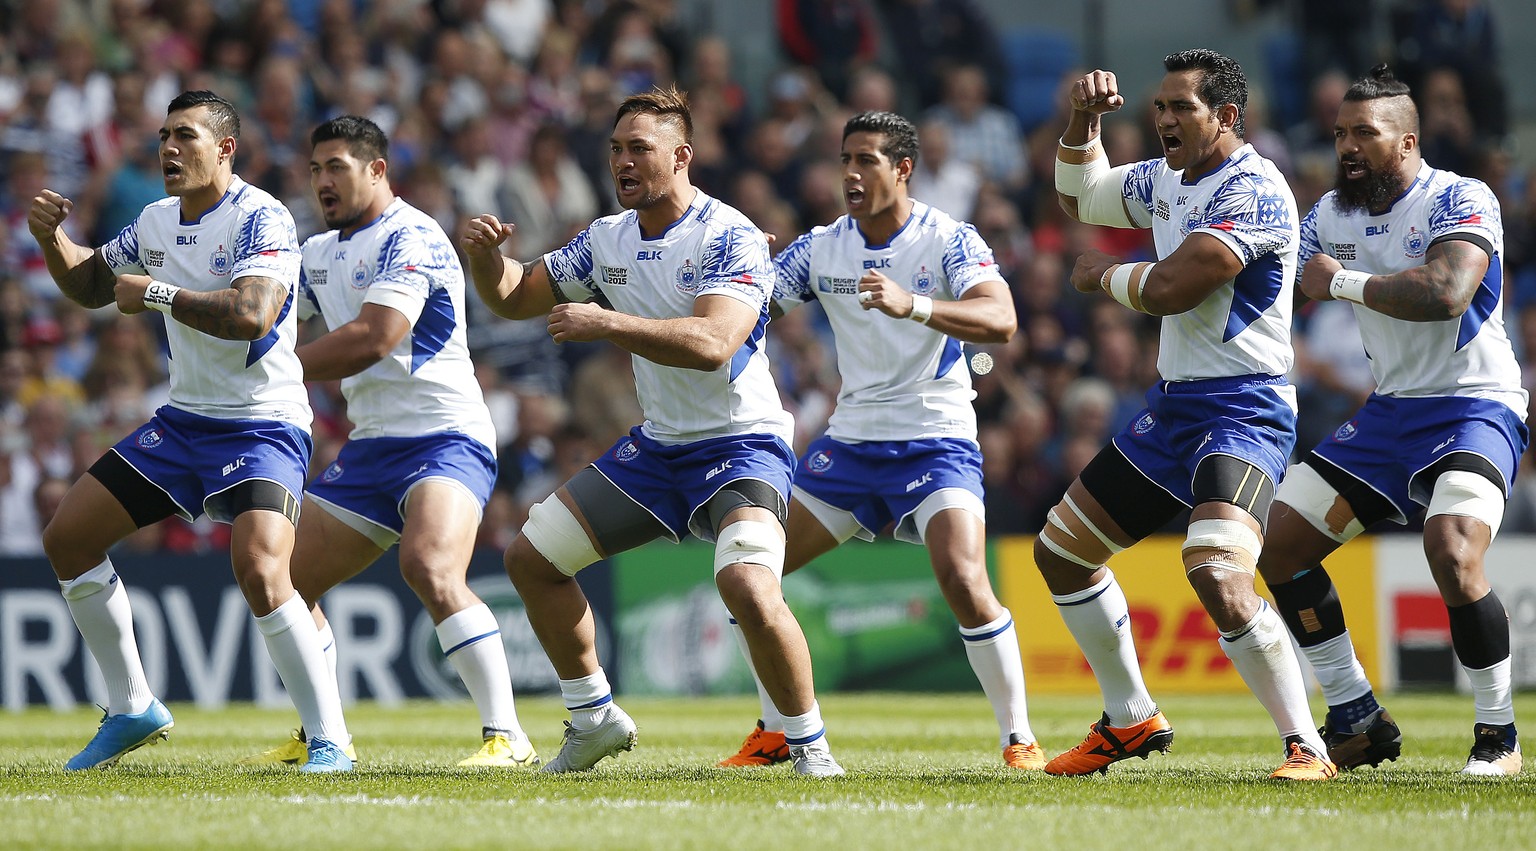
(1106, 745)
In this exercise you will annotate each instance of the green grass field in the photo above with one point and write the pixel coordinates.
(923, 772)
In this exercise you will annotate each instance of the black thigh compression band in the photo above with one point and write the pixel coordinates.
(1227, 478)
(145, 502)
(1136, 503)
(617, 521)
(261, 495)
(746, 492)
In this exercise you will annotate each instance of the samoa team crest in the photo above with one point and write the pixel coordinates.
(922, 282)
(1145, 423)
(820, 462)
(360, 275)
(150, 438)
(1346, 432)
(626, 451)
(688, 278)
(1414, 243)
(219, 262)
(1191, 222)
(332, 473)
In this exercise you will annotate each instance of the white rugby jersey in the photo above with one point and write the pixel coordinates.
(248, 233)
(902, 380)
(1244, 327)
(712, 250)
(401, 260)
(1466, 356)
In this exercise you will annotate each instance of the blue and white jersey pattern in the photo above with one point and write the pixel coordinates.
(402, 260)
(1244, 327)
(1469, 355)
(711, 250)
(901, 380)
(248, 233)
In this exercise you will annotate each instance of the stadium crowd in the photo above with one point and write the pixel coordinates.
(506, 105)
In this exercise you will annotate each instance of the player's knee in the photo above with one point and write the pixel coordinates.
(1461, 493)
(1305, 492)
(754, 542)
(1219, 544)
(556, 537)
(1071, 537)
(430, 578)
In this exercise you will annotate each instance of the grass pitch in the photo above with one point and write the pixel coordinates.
(923, 772)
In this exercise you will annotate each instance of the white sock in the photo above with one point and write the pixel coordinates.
(99, 604)
(1100, 621)
(328, 647)
(1262, 653)
(773, 722)
(471, 638)
(993, 649)
(806, 731)
(1337, 669)
(588, 699)
(294, 645)
(1491, 697)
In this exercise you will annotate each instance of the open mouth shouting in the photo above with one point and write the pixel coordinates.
(628, 185)
(1172, 145)
(171, 171)
(1354, 169)
(853, 196)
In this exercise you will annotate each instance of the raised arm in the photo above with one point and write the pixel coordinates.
(81, 273)
(510, 289)
(1087, 189)
(355, 346)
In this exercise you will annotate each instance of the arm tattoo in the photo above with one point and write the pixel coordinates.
(90, 284)
(1440, 289)
(244, 311)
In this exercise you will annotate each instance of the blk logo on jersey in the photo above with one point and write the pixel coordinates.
(1444, 443)
(1377, 230)
(150, 438)
(878, 263)
(186, 239)
(820, 462)
(649, 254)
(219, 263)
(1346, 432)
(1415, 243)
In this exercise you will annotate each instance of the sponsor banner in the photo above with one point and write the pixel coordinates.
(1415, 640)
(872, 614)
(199, 642)
(1175, 639)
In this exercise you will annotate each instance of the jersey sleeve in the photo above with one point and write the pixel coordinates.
(1466, 207)
(571, 269)
(792, 275)
(968, 260)
(122, 251)
(1250, 214)
(267, 246)
(735, 263)
(1137, 190)
(411, 260)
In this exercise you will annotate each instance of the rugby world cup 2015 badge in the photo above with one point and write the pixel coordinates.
(150, 438)
(219, 262)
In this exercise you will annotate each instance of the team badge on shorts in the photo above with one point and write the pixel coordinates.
(150, 438)
(332, 473)
(1145, 423)
(1346, 432)
(627, 451)
(218, 262)
(820, 462)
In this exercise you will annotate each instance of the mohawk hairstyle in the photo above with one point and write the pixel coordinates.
(223, 120)
(669, 105)
(1379, 83)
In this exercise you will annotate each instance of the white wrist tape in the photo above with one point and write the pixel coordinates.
(1125, 281)
(1083, 147)
(158, 296)
(922, 309)
(1348, 285)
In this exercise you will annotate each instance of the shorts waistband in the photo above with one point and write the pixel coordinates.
(1222, 385)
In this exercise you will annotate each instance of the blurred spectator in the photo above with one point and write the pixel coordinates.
(39, 451)
(1311, 141)
(833, 37)
(1447, 136)
(941, 180)
(1337, 37)
(930, 38)
(1460, 35)
(547, 196)
(981, 133)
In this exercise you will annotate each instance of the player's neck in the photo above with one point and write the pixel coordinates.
(371, 213)
(655, 219)
(197, 203)
(1221, 153)
(880, 228)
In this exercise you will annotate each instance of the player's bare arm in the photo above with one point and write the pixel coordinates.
(245, 310)
(1087, 190)
(81, 274)
(1440, 289)
(510, 289)
(704, 341)
(1174, 285)
(356, 345)
(983, 315)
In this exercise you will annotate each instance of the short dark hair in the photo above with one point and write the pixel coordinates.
(1380, 82)
(900, 136)
(669, 105)
(223, 120)
(364, 138)
(1221, 79)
